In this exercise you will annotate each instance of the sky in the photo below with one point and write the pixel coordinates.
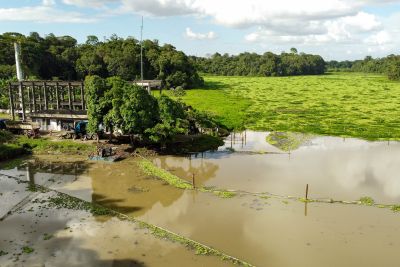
(334, 29)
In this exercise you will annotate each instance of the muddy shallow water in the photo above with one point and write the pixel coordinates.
(333, 167)
(264, 232)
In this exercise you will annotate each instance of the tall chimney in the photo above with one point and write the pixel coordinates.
(20, 77)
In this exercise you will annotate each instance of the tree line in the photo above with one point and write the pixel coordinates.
(267, 64)
(389, 66)
(61, 57)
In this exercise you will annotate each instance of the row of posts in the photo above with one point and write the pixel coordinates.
(32, 97)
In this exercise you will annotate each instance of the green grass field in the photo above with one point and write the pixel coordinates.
(343, 104)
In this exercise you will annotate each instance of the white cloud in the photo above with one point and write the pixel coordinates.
(307, 23)
(200, 36)
(89, 3)
(48, 2)
(380, 38)
(44, 13)
(343, 29)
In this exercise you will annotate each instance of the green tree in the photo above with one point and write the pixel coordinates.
(139, 110)
(96, 88)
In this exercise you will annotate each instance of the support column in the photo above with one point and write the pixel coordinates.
(29, 99)
(57, 97)
(11, 101)
(46, 104)
(21, 92)
(40, 97)
(33, 97)
(82, 96)
(70, 97)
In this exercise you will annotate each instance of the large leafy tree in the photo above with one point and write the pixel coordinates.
(96, 88)
(139, 110)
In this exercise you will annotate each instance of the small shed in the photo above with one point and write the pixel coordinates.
(149, 84)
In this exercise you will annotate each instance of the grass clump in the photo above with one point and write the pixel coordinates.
(367, 201)
(69, 202)
(47, 236)
(152, 170)
(5, 136)
(3, 253)
(224, 194)
(48, 146)
(395, 208)
(27, 250)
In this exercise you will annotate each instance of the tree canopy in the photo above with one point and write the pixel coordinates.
(268, 64)
(389, 65)
(118, 104)
(61, 57)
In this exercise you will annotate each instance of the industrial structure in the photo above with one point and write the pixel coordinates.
(55, 105)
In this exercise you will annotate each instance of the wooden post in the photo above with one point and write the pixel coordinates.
(69, 96)
(307, 192)
(57, 97)
(33, 97)
(193, 181)
(82, 96)
(11, 101)
(46, 104)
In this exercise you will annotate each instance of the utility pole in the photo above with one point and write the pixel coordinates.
(20, 77)
(141, 57)
(141, 51)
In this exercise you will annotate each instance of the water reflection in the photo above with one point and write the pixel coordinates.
(335, 168)
(265, 231)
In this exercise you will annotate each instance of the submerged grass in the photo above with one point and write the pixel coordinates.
(367, 201)
(341, 104)
(150, 169)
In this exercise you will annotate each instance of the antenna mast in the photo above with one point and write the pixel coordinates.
(141, 51)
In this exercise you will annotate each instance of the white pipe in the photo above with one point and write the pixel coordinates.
(20, 74)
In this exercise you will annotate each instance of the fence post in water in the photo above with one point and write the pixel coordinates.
(193, 181)
(307, 192)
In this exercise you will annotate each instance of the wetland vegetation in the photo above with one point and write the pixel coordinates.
(337, 104)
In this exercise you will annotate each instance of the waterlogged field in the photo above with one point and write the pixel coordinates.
(345, 104)
(248, 202)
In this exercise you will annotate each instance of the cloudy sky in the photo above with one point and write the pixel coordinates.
(335, 29)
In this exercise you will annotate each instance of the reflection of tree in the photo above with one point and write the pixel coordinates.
(55, 167)
(184, 167)
(123, 187)
(288, 141)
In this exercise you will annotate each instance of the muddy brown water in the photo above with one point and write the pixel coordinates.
(264, 232)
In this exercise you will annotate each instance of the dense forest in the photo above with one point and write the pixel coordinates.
(268, 64)
(389, 65)
(53, 57)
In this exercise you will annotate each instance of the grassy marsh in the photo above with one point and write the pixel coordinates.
(341, 104)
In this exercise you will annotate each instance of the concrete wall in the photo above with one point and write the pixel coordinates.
(48, 124)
